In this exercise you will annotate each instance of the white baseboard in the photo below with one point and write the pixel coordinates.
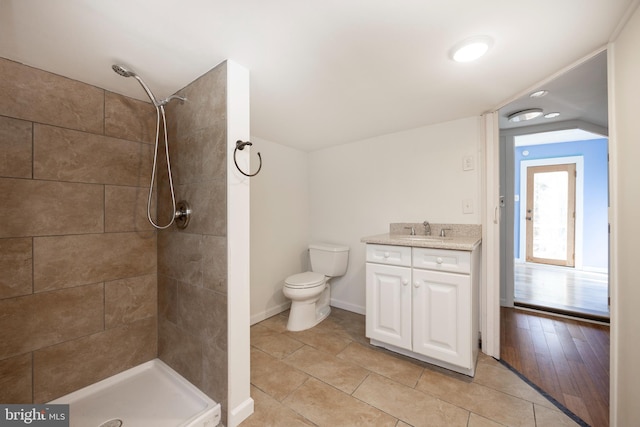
(348, 306)
(259, 317)
(240, 413)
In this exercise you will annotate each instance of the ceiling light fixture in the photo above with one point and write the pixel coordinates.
(539, 94)
(524, 115)
(470, 49)
(551, 115)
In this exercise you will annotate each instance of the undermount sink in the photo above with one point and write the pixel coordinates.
(420, 238)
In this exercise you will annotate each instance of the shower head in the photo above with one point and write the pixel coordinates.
(123, 71)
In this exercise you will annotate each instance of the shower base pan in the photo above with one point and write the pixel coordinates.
(148, 395)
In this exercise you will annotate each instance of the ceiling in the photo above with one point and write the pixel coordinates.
(322, 73)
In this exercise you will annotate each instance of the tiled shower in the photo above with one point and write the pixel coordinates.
(88, 288)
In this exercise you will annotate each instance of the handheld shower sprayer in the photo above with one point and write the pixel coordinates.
(181, 211)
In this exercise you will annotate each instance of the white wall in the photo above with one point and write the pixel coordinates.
(357, 189)
(279, 224)
(625, 333)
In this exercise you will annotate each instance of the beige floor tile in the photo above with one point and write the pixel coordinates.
(382, 363)
(324, 336)
(546, 417)
(273, 376)
(269, 412)
(276, 344)
(476, 420)
(276, 323)
(408, 404)
(490, 373)
(477, 398)
(341, 374)
(326, 406)
(403, 424)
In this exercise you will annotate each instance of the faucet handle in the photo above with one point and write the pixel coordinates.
(427, 228)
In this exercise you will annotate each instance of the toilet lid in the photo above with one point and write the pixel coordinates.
(308, 279)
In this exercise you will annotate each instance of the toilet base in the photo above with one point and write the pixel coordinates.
(307, 314)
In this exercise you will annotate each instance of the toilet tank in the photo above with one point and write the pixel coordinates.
(329, 259)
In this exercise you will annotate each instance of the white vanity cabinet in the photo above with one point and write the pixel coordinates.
(423, 302)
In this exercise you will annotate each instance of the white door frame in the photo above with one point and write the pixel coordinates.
(579, 208)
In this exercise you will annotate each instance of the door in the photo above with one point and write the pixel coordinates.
(389, 304)
(551, 214)
(442, 316)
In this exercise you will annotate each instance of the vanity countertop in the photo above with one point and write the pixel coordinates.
(459, 243)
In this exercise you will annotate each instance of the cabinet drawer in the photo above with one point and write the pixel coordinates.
(394, 255)
(442, 260)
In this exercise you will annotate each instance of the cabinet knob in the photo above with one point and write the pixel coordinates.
(386, 254)
(416, 284)
(405, 282)
(439, 260)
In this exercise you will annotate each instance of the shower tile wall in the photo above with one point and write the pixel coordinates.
(192, 263)
(78, 284)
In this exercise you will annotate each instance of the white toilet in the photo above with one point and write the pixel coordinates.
(310, 292)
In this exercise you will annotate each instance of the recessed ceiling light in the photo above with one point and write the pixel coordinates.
(551, 115)
(524, 115)
(470, 49)
(539, 93)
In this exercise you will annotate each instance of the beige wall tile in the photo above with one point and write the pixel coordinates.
(125, 209)
(202, 312)
(16, 267)
(168, 298)
(326, 406)
(206, 104)
(65, 261)
(129, 118)
(66, 367)
(67, 155)
(15, 379)
(180, 256)
(200, 155)
(214, 371)
(15, 148)
(39, 96)
(39, 320)
(180, 350)
(208, 201)
(409, 405)
(129, 300)
(41, 208)
(215, 263)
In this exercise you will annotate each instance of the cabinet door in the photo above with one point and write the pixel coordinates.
(442, 316)
(389, 304)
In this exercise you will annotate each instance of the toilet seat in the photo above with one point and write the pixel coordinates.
(305, 280)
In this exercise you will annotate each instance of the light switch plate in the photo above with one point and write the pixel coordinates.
(467, 163)
(467, 206)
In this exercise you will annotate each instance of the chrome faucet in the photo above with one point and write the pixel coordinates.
(413, 230)
(427, 228)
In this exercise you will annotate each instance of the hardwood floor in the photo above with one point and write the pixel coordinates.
(566, 358)
(562, 290)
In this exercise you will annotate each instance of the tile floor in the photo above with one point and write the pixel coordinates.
(330, 376)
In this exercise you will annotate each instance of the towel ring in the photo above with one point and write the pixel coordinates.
(240, 146)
